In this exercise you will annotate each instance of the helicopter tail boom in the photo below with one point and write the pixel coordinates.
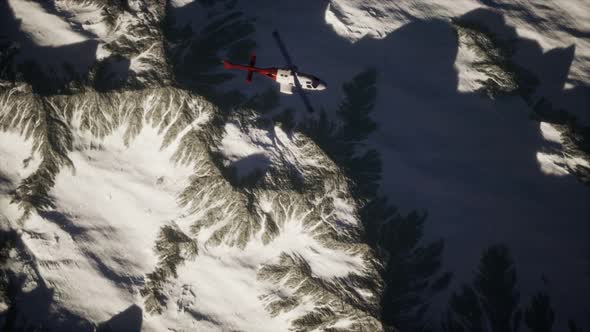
(268, 72)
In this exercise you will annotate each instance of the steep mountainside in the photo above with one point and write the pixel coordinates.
(142, 187)
(126, 191)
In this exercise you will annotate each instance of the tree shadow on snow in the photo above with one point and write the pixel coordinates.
(479, 155)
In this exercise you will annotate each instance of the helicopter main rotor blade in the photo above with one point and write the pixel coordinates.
(285, 54)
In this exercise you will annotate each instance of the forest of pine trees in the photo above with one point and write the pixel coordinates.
(492, 302)
(412, 270)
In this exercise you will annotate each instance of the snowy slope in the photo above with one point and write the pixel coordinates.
(74, 34)
(139, 193)
(43, 28)
(97, 240)
(485, 172)
(478, 166)
(554, 24)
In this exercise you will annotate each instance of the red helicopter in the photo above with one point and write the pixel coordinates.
(288, 78)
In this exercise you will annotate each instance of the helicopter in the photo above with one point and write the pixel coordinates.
(288, 78)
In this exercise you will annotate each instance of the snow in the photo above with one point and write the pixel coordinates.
(180, 3)
(63, 265)
(98, 241)
(552, 164)
(226, 287)
(559, 23)
(116, 204)
(227, 290)
(46, 38)
(45, 29)
(342, 324)
(344, 210)
(481, 168)
(355, 19)
(188, 12)
(21, 163)
(237, 145)
(550, 133)
(86, 13)
(250, 149)
(138, 64)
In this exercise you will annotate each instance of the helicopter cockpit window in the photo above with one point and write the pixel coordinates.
(315, 83)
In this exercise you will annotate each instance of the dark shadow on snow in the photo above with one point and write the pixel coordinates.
(63, 221)
(196, 47)
(465, 144)
(256, 162)
(246, 172)
(4, 181)
(54, 69)
(111, 73)
(542, 77)
(453, 148)
(33, 310)
(128, 320)
(30, 310)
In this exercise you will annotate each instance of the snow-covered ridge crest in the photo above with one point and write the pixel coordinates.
(42, 27)
(85, 35)
(256, 223)
(566, 158)
(55, 123)
(284, 246)
(486, 64)
(354, 19)
(560, 25)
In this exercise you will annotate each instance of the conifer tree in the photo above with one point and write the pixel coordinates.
(539, 316)
(495, 283)
(411, 268)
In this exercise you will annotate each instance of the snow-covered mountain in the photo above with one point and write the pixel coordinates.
(149, 181)
(144, 188)
(136, 193)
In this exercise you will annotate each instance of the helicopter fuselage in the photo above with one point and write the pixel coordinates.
(283, 76)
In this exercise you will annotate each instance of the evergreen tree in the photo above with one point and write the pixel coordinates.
(539, 316)
(495, 284)
(466, 312)
(410, 273)
(173, 247)
(359, 101)
(573, 327)
(411, 269)
(491, 302)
